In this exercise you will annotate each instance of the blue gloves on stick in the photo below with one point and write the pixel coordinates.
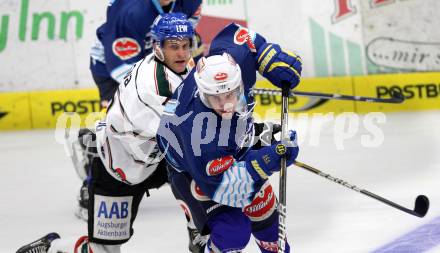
(278, 65)
(266, 160)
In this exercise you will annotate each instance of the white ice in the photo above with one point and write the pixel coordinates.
(40, 186)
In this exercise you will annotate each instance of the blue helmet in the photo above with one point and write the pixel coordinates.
(171, 26)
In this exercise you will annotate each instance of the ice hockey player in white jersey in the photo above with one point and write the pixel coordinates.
(129, 162)
(124, 39)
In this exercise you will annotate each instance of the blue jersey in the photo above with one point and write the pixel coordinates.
(125, 36)
(209, 148)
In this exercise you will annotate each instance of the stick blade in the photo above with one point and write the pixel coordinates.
(422, 205)
(397, 96)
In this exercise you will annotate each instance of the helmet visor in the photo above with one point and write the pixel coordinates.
(224, 103)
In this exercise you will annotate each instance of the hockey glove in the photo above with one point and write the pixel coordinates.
(265, 161)
(279, 65)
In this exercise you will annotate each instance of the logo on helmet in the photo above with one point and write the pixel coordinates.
(221, 77)
(181, 28)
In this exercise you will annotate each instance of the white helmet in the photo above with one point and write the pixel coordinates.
(216, 75)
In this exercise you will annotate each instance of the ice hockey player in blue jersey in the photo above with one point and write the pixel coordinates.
(125, 38)
(207, 134)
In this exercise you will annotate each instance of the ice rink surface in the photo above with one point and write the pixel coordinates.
(40, 186)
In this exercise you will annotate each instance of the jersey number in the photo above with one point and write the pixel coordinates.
(127, 77)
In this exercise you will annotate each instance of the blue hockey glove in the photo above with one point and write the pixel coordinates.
(265, 161)
(279, 65)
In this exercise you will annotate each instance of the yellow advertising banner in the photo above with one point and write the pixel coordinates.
(69, 106)
(15, 111)
(48, 109)
(421, 91)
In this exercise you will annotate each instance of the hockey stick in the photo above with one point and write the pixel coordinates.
(396, 97)
(421, 204)
(282, 209)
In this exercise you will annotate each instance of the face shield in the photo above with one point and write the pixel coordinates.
(229, 102)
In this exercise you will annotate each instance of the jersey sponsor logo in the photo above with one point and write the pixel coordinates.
(242, 36)
(197, 192)
(116, 210)
(120, 174)
(221, 77)
(126, 48)
(112, 217)
(219, 165)
(263, 205)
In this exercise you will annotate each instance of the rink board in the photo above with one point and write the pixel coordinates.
(42, 109)
(421, 92)
(15, 111)
(48, 106)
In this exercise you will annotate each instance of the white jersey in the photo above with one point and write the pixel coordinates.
(126, 140)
